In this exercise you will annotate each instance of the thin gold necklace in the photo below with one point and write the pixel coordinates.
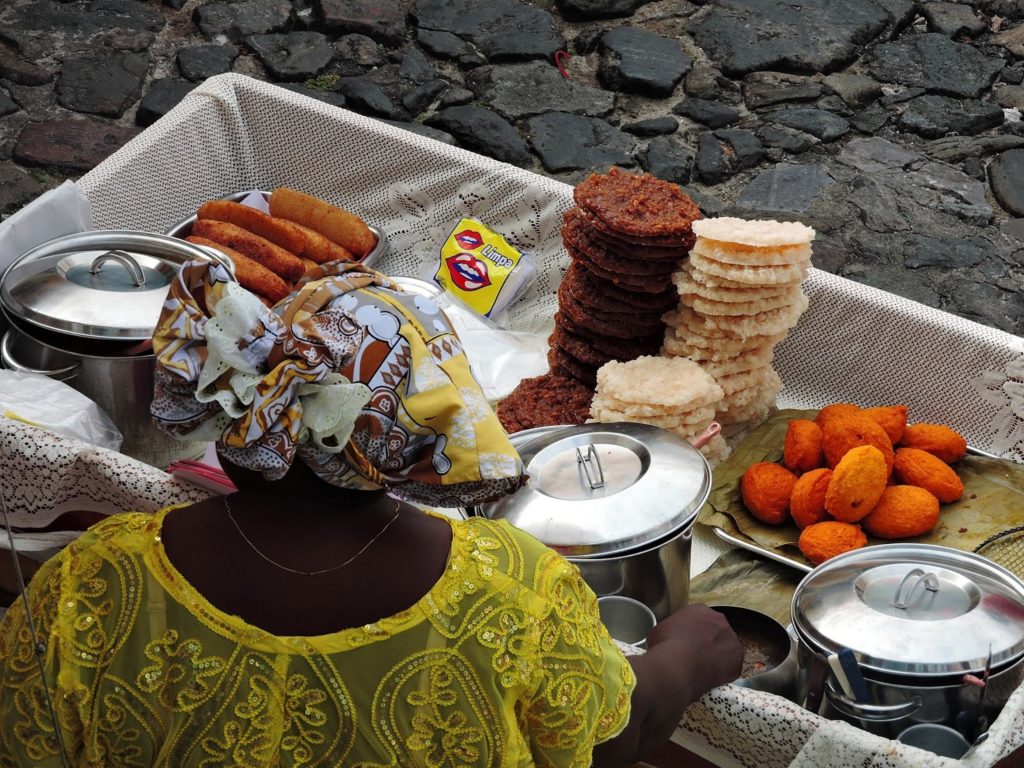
(276, 564)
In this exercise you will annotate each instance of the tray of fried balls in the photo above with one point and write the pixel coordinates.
(271, 251)
(810, 485)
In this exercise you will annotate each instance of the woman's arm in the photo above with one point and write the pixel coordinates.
(690, 652)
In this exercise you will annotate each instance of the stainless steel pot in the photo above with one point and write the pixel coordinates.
(83, 309)
(924, 623)
(618, 500)
(768, 642)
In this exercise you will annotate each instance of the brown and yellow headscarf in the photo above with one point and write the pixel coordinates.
(367, 384)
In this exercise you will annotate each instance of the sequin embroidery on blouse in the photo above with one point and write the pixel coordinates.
(504, 662)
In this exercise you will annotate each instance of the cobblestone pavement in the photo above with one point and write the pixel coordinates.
(892, 126)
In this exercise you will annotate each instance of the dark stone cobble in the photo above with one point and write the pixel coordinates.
(162, 97)
(891, 126)
(202, 61)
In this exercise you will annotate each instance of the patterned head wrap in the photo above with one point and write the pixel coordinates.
(368, 385)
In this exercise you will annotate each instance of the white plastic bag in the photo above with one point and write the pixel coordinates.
(61, 211)
(53, 405)
(499, 359)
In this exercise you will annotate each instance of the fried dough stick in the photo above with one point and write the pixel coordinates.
(344, 228)
(320, 250)
(277, 231)
(275, 258)
(251, 274)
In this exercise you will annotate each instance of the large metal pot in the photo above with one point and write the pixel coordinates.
(83, 309)
(618, 500)
(925, 623)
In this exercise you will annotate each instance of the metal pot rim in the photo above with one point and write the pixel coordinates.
(650, 489)
(914, 611)
(18, 326)
(45, 295)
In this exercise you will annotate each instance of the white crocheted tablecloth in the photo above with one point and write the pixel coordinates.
(855, 343)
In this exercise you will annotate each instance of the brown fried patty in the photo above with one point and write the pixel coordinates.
(620, 349)
(638, 205)
(577, 234)
(635, 283)
(547, 400)
(591, 291)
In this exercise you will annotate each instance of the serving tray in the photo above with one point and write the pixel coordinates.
(993, 496)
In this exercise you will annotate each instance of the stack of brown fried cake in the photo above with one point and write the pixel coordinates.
(626, 236)
(740, 294)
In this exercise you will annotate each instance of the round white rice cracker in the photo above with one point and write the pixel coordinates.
(613, 411)
(685, 321)
(753, 413)
(752, 378)
(709, 280)
(725, 309)
(737, 365)
(738, 326)
(685, 343)
(716, 450)
(666, 381)
(730, 253)
(688, 280)
(758, 233)
(763, 391)
(704, 351)
(751, 275)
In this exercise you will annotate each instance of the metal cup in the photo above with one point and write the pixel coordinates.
(628, 621)
(940, 739)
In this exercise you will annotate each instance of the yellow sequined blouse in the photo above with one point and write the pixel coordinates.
(504, 662)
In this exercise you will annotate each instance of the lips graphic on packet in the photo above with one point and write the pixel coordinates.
(468, 272)
(467, 238)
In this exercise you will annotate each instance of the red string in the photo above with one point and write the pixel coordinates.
(559, 55)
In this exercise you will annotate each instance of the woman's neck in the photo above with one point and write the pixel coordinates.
(303, 494)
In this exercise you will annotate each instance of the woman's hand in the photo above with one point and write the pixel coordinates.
(701, 638)
(689, 653)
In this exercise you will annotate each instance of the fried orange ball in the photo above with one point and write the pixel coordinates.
(891, 418)
(807, 502)
(925, 470)
(937, 439)
(766, 489)
(827, 413)
(903, 510)
(802, 448)
(822, 541)
(851, 430)
(857, 484)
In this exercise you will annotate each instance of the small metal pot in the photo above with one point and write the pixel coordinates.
(925, 624)
(618, 500)
(763, 637)
(83, 309)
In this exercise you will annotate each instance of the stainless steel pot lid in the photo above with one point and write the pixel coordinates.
(102, 285)
(914, 609)
(604, 489)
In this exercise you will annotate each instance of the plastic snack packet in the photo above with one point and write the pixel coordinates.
(479, 267)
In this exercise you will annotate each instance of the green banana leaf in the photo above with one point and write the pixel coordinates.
(746, 580)
(993, 499)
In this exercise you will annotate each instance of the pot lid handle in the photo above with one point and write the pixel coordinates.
(591, 465)
(125, 260)
(930, 581)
